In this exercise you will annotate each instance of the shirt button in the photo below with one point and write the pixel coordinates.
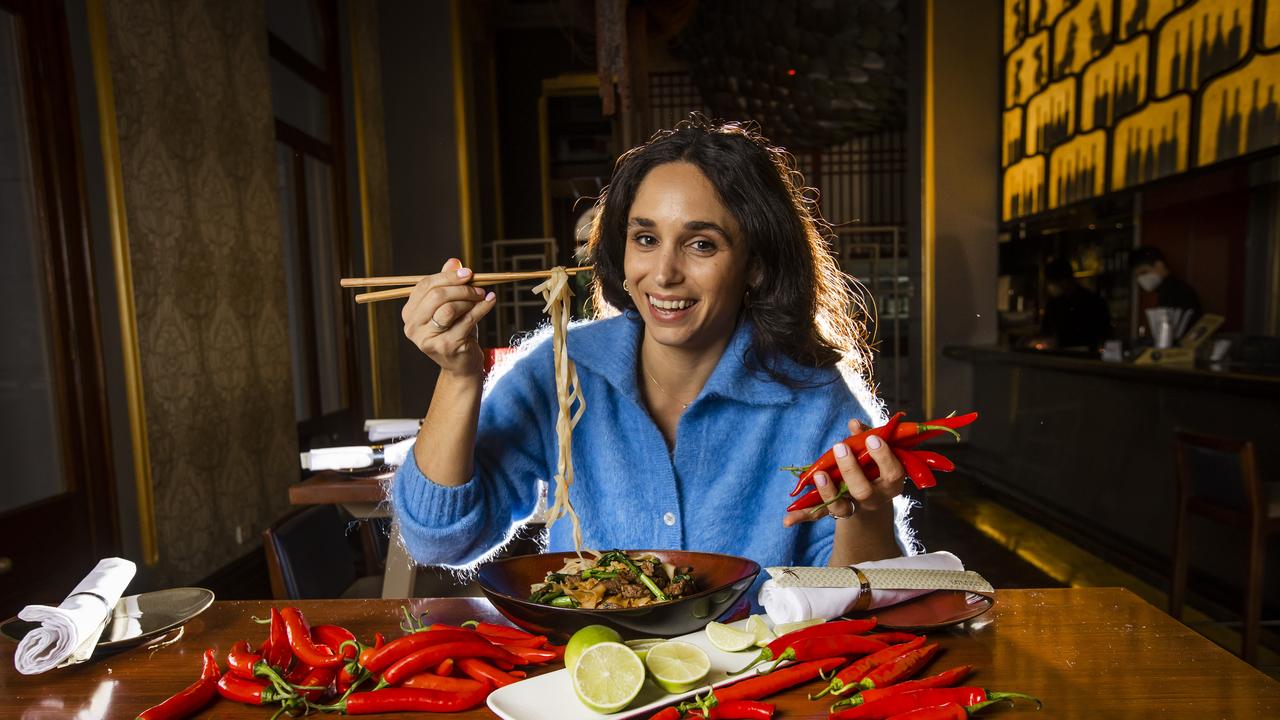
(669, 519)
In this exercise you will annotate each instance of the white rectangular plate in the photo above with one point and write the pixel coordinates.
(550, 696)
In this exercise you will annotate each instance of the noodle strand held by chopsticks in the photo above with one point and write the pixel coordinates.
(555, 290)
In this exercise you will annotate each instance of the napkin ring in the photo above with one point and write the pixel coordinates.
(863, 603)
(93, 594)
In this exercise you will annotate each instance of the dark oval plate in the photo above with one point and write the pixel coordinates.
(938, 609)
(723, 578)
(136, 618)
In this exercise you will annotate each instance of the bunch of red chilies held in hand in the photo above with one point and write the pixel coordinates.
(902, 438)
(436, 668)
(874, 672)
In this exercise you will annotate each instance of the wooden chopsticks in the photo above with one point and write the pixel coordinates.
(408, 281)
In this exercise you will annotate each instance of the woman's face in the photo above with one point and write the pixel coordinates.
(686, 260)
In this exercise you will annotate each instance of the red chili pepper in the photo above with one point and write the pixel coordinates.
(278, 652)
(429, 657)
(502, 631)
(445, 668)
(531, 656)
(739, 710)
(778, 645)
(894, 638)
(857, 444)
(902, 668)
(478, 669)
(815, 648)
(848, 677)
(762, 686)
(916, 468)
(250, 692)
(351, 674)
(916, 699)
(536, 641)
(946, 678)
(382, 658)
(903, 434)
(250, 665)
(431, 681)
(336, 636)
(936, 461)
(668, 713)
(300, 641)
(317, 683)
(947, 711)
(518, 674)
(389, 700)
(189, 701)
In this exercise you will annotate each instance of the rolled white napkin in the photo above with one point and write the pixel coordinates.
(356, 456)
(793, 604)
(388, 428)
(70, 631)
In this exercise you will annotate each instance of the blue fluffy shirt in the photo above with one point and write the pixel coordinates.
(719, 489)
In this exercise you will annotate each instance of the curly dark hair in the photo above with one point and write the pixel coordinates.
(803, 306)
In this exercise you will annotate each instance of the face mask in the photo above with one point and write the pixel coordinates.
(1149, 281)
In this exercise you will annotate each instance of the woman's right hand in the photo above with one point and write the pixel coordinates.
(440, 318)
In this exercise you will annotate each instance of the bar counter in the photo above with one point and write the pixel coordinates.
(1090, 444)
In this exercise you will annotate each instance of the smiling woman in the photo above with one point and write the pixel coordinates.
(725, 346)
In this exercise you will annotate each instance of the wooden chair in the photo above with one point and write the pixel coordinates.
(1218, 479)
(308, 557)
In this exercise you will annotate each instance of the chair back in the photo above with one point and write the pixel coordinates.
(308, 556)
(1219, 471)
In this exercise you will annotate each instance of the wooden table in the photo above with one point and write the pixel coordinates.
(1088, 653)
(364, 499)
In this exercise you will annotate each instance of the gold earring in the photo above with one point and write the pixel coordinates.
(624, 286)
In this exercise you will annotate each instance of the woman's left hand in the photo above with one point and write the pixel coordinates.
(864, 495)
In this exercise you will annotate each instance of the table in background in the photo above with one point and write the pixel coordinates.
(1087, 652)
(364, 499)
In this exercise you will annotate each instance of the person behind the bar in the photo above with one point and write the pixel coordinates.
(1074, 316)
(725, 346)
(1152, 274)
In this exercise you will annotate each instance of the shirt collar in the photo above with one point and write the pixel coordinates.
(611, 347)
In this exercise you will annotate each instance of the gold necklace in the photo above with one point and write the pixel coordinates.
(683, 404)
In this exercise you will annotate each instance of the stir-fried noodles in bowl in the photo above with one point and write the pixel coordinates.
(640, 593)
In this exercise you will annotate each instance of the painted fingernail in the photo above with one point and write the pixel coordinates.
(873, 443)
(488, 297)
(840, 450)
(820, 479)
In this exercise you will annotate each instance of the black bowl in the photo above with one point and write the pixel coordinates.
(723, 579)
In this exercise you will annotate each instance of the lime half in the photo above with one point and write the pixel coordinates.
(642, 646)
(585, 638)
(785, 628)
(759, 629)
(678, 666)
(729, 639)
(607, 677)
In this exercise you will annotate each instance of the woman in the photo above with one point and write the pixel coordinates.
(724, 365)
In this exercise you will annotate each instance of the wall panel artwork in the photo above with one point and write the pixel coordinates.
(1139, 15)
(1200, 41)
(1027, 70)
(1080, 35)
(1271, 25)
(1105, 95)
(1238, 112)
(1014, 147)
(1152, 143)
(1023, 188)
(1115, 85)
(1051, 117)
(1076, 169)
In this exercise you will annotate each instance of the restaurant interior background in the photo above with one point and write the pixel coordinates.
(186, 180)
